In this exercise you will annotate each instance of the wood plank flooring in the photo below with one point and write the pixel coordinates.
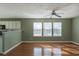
(45, 49)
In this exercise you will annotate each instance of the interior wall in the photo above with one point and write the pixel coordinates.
(11, 38)
(27, 30)
(75, 31)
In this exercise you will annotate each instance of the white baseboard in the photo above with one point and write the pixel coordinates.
(12, 48)
(46, 41)
(75, 43)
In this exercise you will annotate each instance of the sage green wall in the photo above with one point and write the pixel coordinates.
(75, 31)
(0, 44)
(27, 27)
(11, 38)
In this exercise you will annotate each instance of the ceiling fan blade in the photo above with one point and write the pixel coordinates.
(57, 15)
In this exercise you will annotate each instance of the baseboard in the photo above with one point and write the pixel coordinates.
(12, 48)
(75, 43)
(46, 41)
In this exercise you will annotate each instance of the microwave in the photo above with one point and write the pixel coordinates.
(2, 27)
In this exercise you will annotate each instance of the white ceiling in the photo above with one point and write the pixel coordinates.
(37, 10)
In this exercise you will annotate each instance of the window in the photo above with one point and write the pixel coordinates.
(57, 27)
(47, 29)
(37, 29)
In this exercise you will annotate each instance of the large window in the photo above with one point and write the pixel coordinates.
(57, 29)
(37, 29)
(47, 29)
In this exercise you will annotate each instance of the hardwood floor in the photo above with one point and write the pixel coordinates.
(45, 49)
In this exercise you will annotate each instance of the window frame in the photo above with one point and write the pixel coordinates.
(59, 35)
(43, 29)
(33, 29)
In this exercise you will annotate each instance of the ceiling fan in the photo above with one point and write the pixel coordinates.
(54, 13)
